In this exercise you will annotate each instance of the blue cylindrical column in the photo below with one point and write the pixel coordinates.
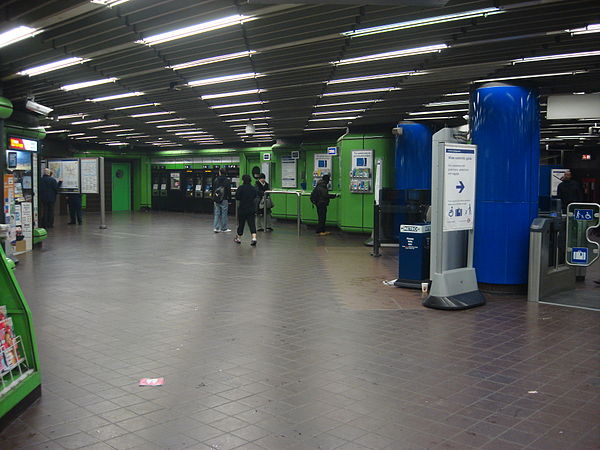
(505, 126)
(413, 157)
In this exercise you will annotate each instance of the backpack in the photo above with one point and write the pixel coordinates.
(219, 194)
(314, 195)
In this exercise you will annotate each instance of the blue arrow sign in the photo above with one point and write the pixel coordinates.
(460, 186)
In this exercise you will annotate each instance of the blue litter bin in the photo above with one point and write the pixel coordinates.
(413, 258)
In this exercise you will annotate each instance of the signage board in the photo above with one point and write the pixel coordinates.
(89, 176)
(288, 172)
(16, 143)
(68, 170)
(266, 157)
(415, 229)
(580, 249)
(333, 151)
(460, 162)
(556, 178)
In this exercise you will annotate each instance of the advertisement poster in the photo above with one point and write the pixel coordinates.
(555, 179)
(288, 173)
(175, 180)
(459, 186)
(9, 213)
(27, 224)
(89, 176)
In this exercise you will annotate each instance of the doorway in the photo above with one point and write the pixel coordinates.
(121, 186)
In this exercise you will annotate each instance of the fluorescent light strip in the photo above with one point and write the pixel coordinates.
(236, 19)
(395, 54)
(99, 127)
(434, 118)
(165, 120)
(318, 113)
(256, 111)
(448, 103)
(142, 105)
(225, 79)
(160, 113)
(85, 84)
(57, 131)
(114, 143)
(188, 133)
(183, 129)
(331, 119)
(376, 77)
(237, 105)
(423, 22)
(233, 94)
(358, 102)
(245, 120)
(324, 128)
(75, 134)
(361, 91)
(129, 134)
(109, 3)
(455, 94)
(56, 65)
(558, 56)
(175, 125)
(17, 34)
(119, 131)
(592, 28)
(211, 60)
(71, 116)
(116, 97)
(577, 137)
(253, 123)
(437, 112)
(521, 77)
(86, 137)
(82, 122)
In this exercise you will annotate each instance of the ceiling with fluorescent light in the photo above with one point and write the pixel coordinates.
(287, 59)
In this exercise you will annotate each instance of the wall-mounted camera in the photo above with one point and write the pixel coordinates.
(397, 131)
(37, 108)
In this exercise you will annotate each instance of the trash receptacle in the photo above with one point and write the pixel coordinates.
(413, 258)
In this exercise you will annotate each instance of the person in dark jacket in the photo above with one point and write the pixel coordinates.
(74, 202)
(221, 190)
(49, 187)
(246, 194)
(264, 220)
(322, 203)
(569, 191)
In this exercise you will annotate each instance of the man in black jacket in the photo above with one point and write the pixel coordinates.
(221, 190)
(49, 187)
(569, 191)
(322, 202)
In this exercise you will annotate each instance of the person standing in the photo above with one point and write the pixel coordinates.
(264, 220)
(221, 193)
(74, 202)
(49, 187)
(246, 194)
(569, 191)
(320, 198)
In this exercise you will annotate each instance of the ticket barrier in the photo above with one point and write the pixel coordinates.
(549, 272)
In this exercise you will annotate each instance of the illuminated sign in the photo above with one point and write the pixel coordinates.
(15, 143)
(584, 156)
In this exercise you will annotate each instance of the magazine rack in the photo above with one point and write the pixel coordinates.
(20, 381)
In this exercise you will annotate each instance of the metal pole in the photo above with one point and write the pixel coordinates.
(298, 206)
(102, 196)
(376, 226)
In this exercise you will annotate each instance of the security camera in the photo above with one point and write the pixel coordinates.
(397, 131)
(250, 129)
(37, 108)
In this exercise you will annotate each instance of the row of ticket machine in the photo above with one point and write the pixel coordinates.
(188, 190)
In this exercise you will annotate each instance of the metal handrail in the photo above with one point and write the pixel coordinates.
(298, 194)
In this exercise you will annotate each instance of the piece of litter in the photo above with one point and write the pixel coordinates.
(152, 382)
(389, 282)
(532, 392)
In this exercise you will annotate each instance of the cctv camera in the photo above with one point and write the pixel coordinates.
(250, 129)
(37, 108)
(397, 131)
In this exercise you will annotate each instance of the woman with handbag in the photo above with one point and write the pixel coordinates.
(264, 220)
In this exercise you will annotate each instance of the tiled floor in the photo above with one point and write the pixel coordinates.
(295, 344)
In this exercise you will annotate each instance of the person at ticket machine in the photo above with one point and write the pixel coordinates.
(49, 187)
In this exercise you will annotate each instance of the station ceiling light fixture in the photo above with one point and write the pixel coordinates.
(558, 56)
(49, 67)
(443, 111)
(591, 28)
(423, 22)
(57, 131)
(331, 119)
(376, 77)
(236, 105)
(456, 94)
(109, 3)
(75, 134)
(434, 118)
(192, 30)
(357, 102)
(224, 79)
(541, 75)
(361, 91)
(345, 111)
(99, 127)
(141, 105)
(118, 131)
(256, 111)
(233, 94)
(245, 120)
(17, 34)
(86, 137)
(212, 60)
(71, 116)
(448, 103)
(83, 122)
(159, 113)
(116, 97)
(174, 119)
(324, 128)
(436, 48)
(172, 125)
(85, 84)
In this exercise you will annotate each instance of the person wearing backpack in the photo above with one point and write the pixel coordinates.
(221, 194)
(320, 197)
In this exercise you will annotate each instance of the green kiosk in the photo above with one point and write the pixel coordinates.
(20, 381)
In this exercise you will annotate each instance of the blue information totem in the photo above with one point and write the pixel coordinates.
(413, 258)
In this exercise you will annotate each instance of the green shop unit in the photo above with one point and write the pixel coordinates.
(20, 380)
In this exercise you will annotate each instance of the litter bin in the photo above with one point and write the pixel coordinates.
(413, 258)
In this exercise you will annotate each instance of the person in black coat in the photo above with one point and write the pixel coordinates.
(246, 194)
(74, 202)
(569, 191)
(264, 220)
(49, 187)
(322, 203)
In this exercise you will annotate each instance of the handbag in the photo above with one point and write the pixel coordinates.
(267, 201)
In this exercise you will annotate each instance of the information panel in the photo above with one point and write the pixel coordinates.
(68, 170)
(288, 172)
(459, 186)
(89, 176)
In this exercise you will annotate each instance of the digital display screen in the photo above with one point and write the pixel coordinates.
(18, 160)
(322, 163)
(361, 162)
(12, 160)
